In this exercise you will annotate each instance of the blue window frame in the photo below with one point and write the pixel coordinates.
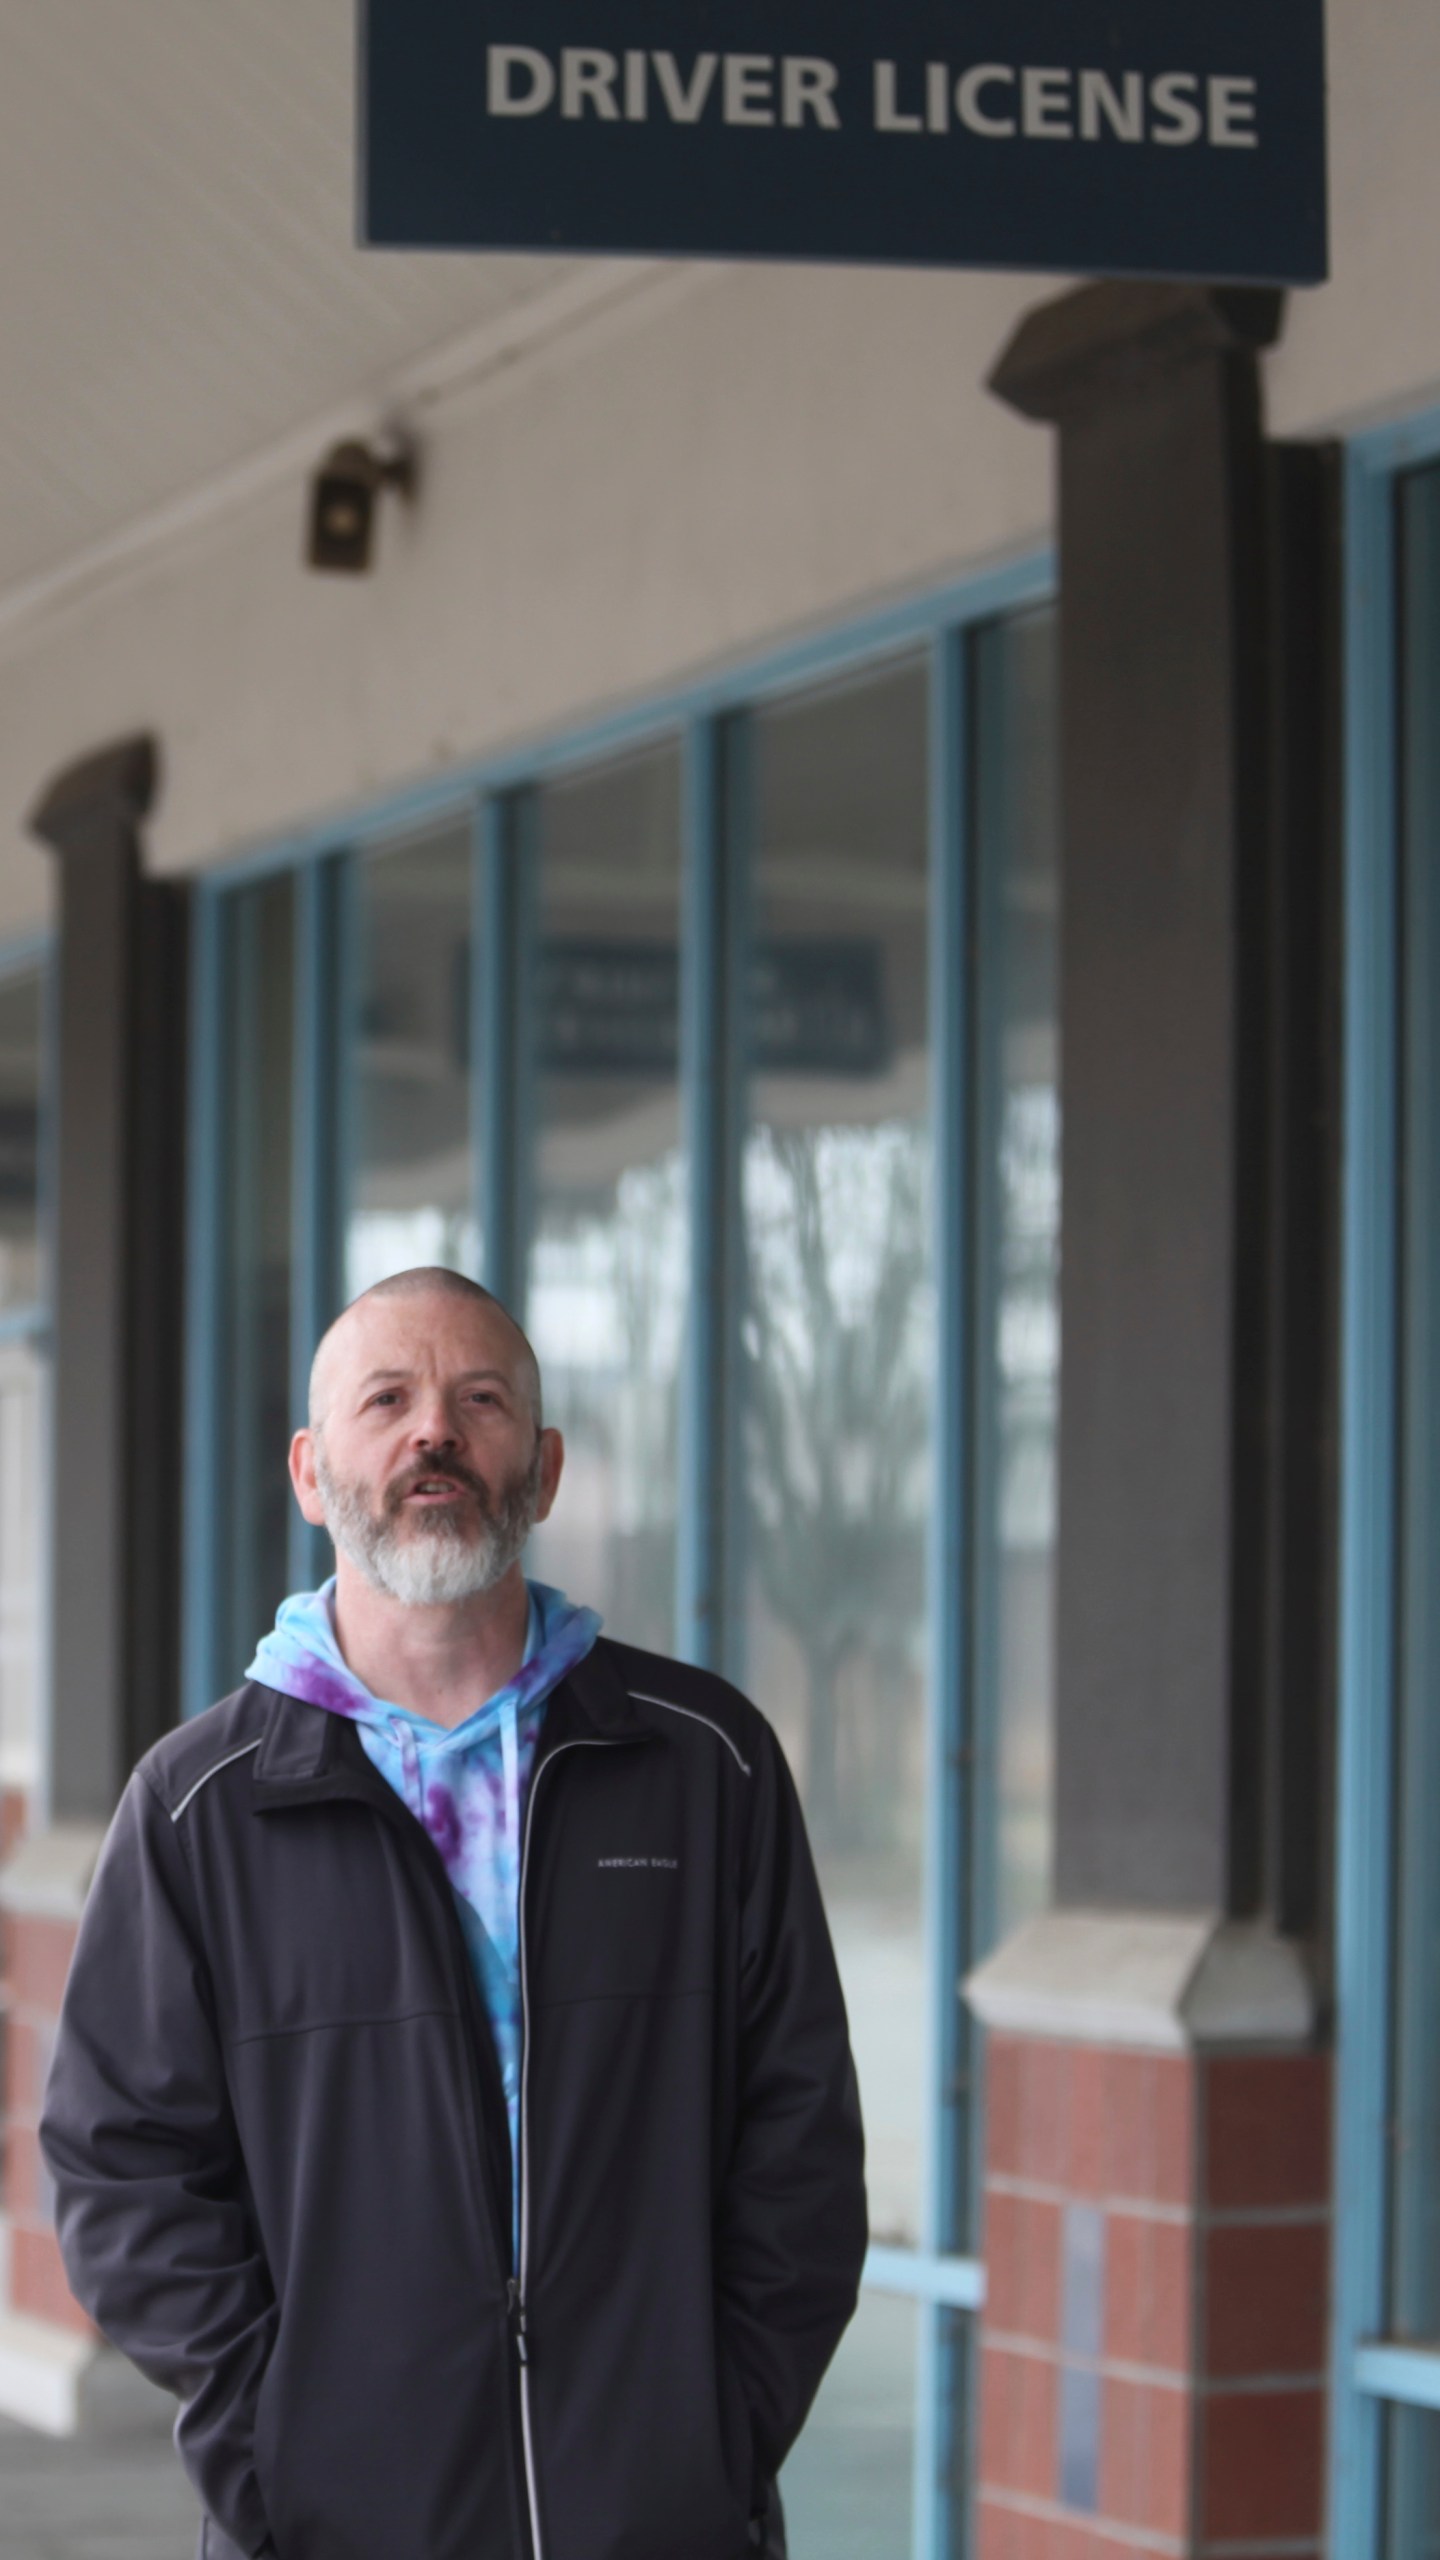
(1385, 2477)
(712, 784)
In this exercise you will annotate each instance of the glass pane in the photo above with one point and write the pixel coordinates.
(848, 2486)
(411, 1189)
(838, 1340)
(609, 1235)
(253, 1369)
(1412, 2485)
(20, 1049)
(1415, 2281)
(1016, 825)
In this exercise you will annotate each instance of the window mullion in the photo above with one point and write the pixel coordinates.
(1367, 1737)
(951, 2183)
(711, 1049)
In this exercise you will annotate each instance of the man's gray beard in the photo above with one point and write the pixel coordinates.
(436, 1559)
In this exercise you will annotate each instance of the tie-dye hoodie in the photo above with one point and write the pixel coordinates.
(466, 1784)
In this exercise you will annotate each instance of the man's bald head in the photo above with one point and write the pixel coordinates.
(434, 1281)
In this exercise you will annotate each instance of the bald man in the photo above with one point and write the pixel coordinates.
(452, 2103)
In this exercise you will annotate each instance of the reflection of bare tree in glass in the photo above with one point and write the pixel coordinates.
(836, 1333)
(648, 1284)
(619, 1267)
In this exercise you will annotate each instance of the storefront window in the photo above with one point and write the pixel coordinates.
(1017, 1117)
(411, 1177)
(849, 2484)
(22, 1382)
(838, 1340)
(608, 1262)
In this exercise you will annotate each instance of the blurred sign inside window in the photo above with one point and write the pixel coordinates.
(1131, 137)
(613, 1008)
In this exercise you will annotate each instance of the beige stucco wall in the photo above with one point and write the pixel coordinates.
(1366, 346)
(728, 456)
(715, 458)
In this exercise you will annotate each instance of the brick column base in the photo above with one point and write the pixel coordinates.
(1157, 2206)
(38, 1956)
(43, 2332)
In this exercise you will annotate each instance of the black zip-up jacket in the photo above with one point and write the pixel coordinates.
(282, 2162)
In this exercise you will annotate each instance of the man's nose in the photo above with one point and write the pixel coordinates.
(433, 1425)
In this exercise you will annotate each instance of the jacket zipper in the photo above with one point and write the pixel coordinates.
(382, 1800)
(470, 1999)
(520, 2284)
(513, 2306)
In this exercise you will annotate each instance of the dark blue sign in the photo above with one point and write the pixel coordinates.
(1117, 137)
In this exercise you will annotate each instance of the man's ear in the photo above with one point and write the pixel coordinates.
(552, 1467)
(302, 1477)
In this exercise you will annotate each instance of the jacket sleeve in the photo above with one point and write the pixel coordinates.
(790, 2231)
(150, 2192)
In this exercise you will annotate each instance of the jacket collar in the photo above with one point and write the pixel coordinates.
(310, 1754)
(299, 1741)
(592, 1704)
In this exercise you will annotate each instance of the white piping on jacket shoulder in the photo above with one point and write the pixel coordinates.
(204, 1780)
(644, 1699)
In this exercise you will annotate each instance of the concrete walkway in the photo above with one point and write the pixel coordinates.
(124, 2497)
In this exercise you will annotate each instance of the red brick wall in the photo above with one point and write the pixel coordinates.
(14, 1815)
(1206, 2181)
(36, 1960)
(1264, 2303)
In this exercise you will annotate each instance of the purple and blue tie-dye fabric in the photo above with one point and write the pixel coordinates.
(466, 1784)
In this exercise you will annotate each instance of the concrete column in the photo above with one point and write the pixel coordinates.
(118, 1245)
(1157, 2177)
(1163, 736)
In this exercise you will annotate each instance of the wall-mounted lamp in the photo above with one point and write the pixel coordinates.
(344, 496)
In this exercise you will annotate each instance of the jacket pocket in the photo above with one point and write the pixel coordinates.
(264, 2449)
(737, 2433)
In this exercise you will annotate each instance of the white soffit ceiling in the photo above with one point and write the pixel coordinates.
(179, 284)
